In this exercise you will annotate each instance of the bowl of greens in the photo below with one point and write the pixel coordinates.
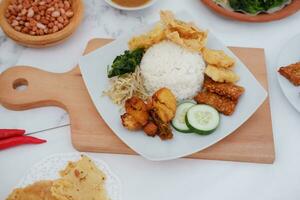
(254, 10)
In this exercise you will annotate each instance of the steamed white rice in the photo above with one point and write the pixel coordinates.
(167, 64)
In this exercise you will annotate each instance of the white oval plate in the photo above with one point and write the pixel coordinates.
(93, 68)
(111, 3)
(290, 53)
(48, 169)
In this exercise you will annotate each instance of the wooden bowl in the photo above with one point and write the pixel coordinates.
(290, 9)
(45, 40)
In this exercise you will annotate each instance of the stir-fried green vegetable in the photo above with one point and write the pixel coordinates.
(126, 63)
(255, 6)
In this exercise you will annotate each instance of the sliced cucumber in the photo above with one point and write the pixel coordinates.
(202, 119)
(179, 120)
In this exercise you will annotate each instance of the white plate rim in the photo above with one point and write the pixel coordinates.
(114, 5)
(280, 78)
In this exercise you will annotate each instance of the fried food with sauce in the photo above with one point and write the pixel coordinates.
(164, 128)
(222, 104)
(136, 107)
(228, 90)
(217, 58)
(164, 104)
(145, 41)
(185, 34)
(221, 74)
(36, 191)
(129, 122)
(292, 73)
(80, 180)
(150, 129)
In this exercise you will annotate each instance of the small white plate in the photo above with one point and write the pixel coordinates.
(48, 169)
(113, 4)
(290, 53)
(93, 68)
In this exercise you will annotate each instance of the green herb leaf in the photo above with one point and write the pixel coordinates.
(255, 6)
(126, 63)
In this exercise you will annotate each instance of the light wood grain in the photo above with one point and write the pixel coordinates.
(45, 40)
(288, 10)
(252, 142)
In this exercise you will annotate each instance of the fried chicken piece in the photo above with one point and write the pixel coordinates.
(221, 74)
(164, 129)
(222, 104)
(292, 73)
(37, 191)
(228, 90)
(136, 107)
(217, 58)
(150, 129)
(129, 122)
(164, 104)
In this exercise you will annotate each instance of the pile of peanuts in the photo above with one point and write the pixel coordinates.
(39, 17)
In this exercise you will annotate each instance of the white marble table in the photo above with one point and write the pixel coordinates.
(177, 179)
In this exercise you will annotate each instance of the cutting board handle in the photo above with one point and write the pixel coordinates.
(40, 88)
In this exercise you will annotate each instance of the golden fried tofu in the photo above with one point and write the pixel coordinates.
(150, 129)
(228, 90)
(221, 74)
(136, 107)
(37, 191)
(217, 58)
(222, 104)
(292, 73)
(154, 36)
(129, 122)
(164, 104)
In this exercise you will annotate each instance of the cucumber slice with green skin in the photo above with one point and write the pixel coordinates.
(179, 120)
(202, 119)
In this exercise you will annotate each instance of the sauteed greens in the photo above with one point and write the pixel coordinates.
(255, 6)
(126, 63)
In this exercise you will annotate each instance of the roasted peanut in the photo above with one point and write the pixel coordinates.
(39, 17)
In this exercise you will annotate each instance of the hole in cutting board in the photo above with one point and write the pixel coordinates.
(20, 84)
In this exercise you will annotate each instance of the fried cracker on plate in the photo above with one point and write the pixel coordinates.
(292, 73)
(37, 191)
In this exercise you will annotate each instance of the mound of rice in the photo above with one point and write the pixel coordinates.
(167, 64)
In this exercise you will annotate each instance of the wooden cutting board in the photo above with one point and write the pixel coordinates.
(252, 142)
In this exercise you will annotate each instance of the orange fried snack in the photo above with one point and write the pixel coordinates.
(222, 104)
(228, 90)
(292, 73)
(37, 191)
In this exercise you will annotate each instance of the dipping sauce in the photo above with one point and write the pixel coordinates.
(130, 3)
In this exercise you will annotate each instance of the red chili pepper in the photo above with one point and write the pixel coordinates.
(7, 133)
(18, 140)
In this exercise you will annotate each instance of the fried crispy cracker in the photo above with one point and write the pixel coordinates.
(37, 191)
(292, 73)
